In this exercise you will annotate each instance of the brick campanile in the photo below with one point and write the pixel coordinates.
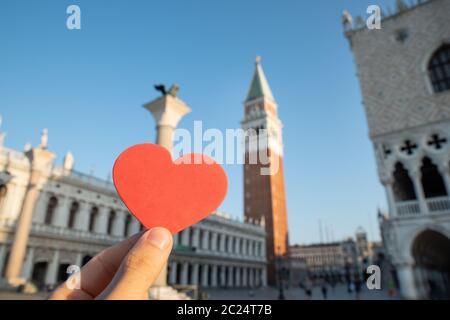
(264, 192)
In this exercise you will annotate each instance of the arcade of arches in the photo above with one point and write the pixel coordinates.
(214, 275)
(93, 221)
(428, 182)
(431, 252)
(40, 271)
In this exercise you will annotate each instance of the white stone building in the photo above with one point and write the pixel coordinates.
(77, 215)
(219, 252)
(327, 259)
(404, 73)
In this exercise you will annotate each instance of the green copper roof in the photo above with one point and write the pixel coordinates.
(259, 86)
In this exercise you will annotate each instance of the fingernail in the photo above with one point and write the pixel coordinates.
(159, 237)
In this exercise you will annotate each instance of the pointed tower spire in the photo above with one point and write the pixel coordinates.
(259, 86)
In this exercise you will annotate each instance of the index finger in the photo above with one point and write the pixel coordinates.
(98, 272)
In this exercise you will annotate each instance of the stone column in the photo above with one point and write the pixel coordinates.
(222, 271)
(82, 218)
(185, 237)
(173, 272)
(238, 277)
(101, 225)
(205, 270)
(390, 197)
(444, 170)
(236, 245)
(251, 277)
(135, 226)
(167, 111)
(41, 162)
(184, 273)
(230, 277)
(41, 207)
(2, 257)
(62, 212)
(79, 259)
(214, 241)
(416, 177)
(214, 275)
(52, 271)
(264, 277)
(119, 224)
(194, 275)
(405, 274)
(205, 239)
(258, 277)
(222, 242)
(28, 264)
(230, 244)
(244, 277)
(176, 239)
(244, 247)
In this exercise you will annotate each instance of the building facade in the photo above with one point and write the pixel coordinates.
(75, 216)
(219, 252)
(264, 188)
(326, 260)
(404, 74)
(341, 260)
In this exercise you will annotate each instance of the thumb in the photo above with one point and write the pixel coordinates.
(141, 266)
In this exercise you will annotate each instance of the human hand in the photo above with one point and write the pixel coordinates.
(124, 271)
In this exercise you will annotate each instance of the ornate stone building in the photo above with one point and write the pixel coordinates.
(404, 74)
(219, 252)
(337, 259)
(264, 192)
(52, 217)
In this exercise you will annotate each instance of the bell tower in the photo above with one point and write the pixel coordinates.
(264, 192)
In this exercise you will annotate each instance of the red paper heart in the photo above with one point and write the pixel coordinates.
(162, 193)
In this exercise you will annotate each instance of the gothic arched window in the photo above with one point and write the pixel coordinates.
(439, 69)
(3, 191)
(73, 214)
(432, 181)
(403, 186)
(51, 207)
(93, 218)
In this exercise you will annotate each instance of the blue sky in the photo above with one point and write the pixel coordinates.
(88, 86)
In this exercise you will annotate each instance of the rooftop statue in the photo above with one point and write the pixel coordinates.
(172, 91)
